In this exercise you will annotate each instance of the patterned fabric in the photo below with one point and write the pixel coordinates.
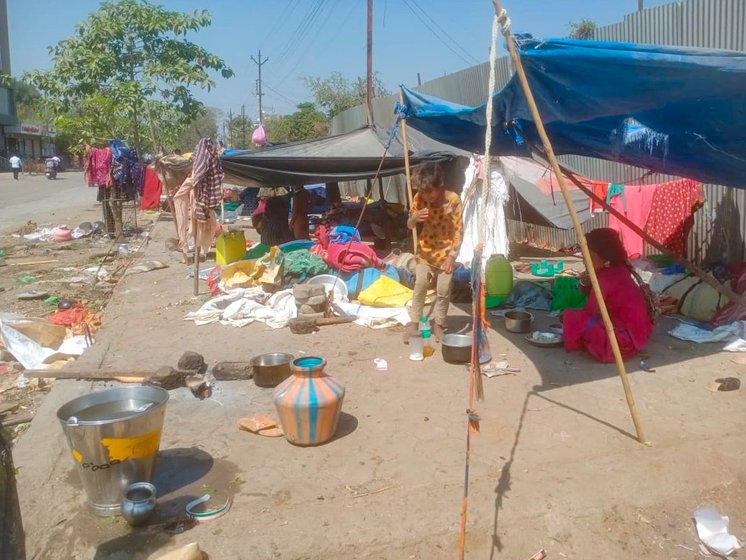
(672, 213)
(98, 163)
(442, 232)
(208, 178)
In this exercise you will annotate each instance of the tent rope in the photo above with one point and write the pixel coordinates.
(476, 390)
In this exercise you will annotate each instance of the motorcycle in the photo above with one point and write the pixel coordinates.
(51, 169)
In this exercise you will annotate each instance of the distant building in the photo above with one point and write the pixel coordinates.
(7, 101)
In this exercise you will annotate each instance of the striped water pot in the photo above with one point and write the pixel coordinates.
(309, 402)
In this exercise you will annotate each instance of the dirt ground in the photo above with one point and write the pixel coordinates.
(556, 465)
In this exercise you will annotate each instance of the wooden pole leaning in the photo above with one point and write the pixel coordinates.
(196, 245)
(578, 229)
(407, 171)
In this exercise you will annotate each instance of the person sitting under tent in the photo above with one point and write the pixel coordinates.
(630, 303)
(274, 227)
(299, 216)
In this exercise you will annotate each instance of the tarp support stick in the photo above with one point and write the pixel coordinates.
(407, 172)
(576, 222)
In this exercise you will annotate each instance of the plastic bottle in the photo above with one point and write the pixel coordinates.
(426, 332)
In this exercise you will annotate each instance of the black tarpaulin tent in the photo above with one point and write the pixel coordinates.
(352, 156)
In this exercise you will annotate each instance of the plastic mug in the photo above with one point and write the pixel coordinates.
(416, 348)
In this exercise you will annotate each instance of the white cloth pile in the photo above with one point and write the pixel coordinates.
(243, 306)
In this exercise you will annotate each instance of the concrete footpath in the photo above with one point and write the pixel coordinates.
(556, 465)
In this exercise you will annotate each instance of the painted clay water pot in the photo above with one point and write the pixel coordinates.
(309, 402)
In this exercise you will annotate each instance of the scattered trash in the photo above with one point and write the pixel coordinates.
(33, 294)
(22, 381)
(725, 384)
(539, 555)
(494, 369)
(644, 367)
(381, 364)
(2, 253)
(712, 529)
(27, 228)
(261, 425)
(147, 266)
(25, 278)
(51, 301)
(188, 552)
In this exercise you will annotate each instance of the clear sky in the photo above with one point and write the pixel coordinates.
(316, 37)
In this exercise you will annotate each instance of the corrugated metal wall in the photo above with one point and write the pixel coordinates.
(720, 225)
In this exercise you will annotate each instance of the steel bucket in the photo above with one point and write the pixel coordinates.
(114, 436)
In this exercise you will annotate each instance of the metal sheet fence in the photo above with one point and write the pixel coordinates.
(720, 225)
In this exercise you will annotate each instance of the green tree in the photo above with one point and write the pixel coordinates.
(306, 123)
(28, 99)
(336, 93)
(204, 125)
(584, 29)
(136, 57)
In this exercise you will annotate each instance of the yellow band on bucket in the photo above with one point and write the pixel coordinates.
(121, 449)
(77, 455)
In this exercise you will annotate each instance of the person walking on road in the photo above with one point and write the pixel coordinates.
(15, 164)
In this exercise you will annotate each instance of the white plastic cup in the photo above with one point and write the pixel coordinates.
(416, 348)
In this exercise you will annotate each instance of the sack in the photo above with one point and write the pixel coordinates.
(172, 170)
(385, 292)
(696, 299)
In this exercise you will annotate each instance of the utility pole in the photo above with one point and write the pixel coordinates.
(230, 127)
(369, 74)
(260, 63)
(243, 127)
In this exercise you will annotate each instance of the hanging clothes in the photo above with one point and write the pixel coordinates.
(639, 200)
(182, 199)
(672, 213)
(496, 229)
(207, 175)
(98, 164)
(152, 189)
(600, 189)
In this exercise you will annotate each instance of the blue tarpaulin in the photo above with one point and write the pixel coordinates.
(675, 110)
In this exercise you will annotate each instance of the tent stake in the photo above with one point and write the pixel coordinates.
(576, 222)
(410, 196)
(721, 288)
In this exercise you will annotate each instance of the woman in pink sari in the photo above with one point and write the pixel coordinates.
(631, 307)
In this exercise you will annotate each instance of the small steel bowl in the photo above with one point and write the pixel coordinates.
(138, 503)
(518, 321)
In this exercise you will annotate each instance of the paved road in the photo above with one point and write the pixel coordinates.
(66, 199)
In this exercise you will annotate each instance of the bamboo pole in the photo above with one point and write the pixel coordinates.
(721, 288)
(407, 171)
(578, 229)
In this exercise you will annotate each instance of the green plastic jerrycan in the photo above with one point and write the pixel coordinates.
(499, 276)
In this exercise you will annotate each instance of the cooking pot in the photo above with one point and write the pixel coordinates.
(518, 321)
(456, 349)
(271, 369)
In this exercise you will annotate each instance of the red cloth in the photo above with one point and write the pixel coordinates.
(672, 213)
(638, 200)
(346, 257)
(98, 167)
(599, 189)
(584, 328)
(151, 194)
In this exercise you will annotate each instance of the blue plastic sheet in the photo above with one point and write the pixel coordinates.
(674, 110)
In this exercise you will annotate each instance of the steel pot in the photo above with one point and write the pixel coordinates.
(271, 369)
(456, 348)
(518, 321)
